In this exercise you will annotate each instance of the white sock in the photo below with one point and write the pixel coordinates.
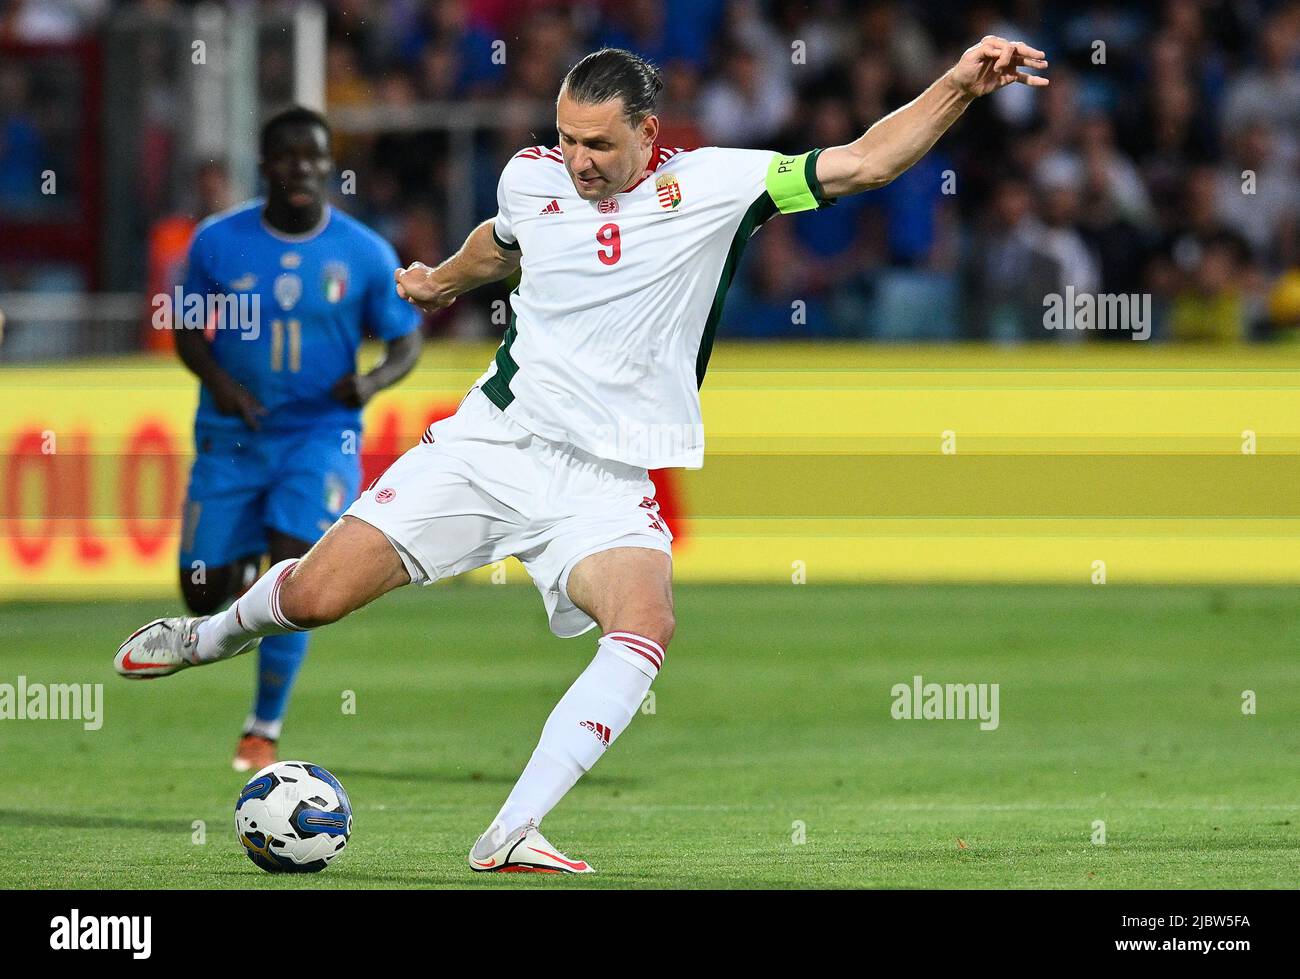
(263, 729)
(595, 710)
(254, 614)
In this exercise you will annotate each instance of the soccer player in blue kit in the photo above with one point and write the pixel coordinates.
(277, 435)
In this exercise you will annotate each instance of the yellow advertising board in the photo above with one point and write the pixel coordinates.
(1116, 462)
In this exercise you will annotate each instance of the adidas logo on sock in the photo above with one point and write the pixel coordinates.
(551, 208)
(599, 730)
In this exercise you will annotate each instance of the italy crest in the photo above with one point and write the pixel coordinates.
(335, 281)
(335, 494)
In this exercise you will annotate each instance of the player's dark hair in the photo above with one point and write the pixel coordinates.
(613, 73)
(294, 115)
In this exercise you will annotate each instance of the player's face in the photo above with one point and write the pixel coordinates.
(297, 164)
(602, 152)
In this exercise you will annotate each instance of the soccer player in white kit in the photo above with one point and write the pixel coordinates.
(626, 248)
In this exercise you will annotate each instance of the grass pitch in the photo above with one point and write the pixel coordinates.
(771, 724)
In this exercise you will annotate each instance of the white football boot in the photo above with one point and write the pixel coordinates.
(163, 647)
(523, 851)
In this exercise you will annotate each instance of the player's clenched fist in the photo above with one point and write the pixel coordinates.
(416, 284)
(994, 62)
(232, 398)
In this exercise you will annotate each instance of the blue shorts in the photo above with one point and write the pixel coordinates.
(244, 484)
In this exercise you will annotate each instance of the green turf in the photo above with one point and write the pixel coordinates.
(1122, 705)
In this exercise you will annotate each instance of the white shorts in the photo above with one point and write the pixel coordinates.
(480, 488)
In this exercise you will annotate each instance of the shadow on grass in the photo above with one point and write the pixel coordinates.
(464, 778)
(61, 819)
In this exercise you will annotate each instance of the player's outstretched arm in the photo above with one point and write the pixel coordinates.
(905, 135)
(480, 261)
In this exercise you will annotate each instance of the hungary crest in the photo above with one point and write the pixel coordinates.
(335, 281)
(669, 192)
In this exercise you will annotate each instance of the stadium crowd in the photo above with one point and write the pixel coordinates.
(1164, 159)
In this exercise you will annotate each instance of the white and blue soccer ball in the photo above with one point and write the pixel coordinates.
(293, 817)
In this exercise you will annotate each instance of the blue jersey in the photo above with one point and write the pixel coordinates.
(315, 293)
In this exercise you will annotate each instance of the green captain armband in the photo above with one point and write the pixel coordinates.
(792, 183)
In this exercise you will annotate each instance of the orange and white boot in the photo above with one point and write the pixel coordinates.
(253, 754)
(523, 851)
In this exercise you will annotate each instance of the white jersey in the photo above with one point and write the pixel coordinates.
(614, 317)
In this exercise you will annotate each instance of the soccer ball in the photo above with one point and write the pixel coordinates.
(293, 817)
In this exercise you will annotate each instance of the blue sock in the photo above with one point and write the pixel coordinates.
(278, 661)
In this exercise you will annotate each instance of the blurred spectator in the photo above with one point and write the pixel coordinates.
(22, 148)
(642, 26)
(746, 106)
(1061, 237)
(696, 24)
(1012, 267)
(1114, 208)
(169, 241)
(345, 87)
(416, 159)
(1175, 142)
(679, 123)
(1177, 254)
(1284, 308)
(418, 236)
(776, 295)
(1112, 178)
(1259, 197)
(1108, 30)
(538, 61)
(440, 71)
(1211, 306)
(919, 216)
(888, 29)
(50, 21)
(1268, 90)
(820, 27)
